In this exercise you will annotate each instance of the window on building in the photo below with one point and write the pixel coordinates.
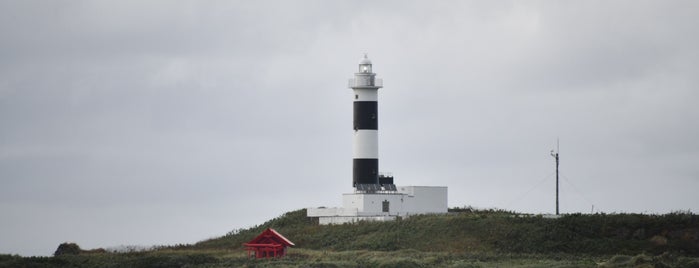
(385, 206)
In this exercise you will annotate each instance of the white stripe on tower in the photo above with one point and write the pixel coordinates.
(366, 94)
(366, 144)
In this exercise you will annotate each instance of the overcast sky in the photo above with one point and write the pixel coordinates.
(163, 122)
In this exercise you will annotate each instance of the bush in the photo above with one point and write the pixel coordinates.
(67, 249)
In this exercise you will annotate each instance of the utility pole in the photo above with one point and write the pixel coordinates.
(555, 155)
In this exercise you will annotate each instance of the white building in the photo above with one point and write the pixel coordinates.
(384, 205)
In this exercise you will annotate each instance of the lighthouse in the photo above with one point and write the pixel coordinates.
(375, 197)
(365, 161)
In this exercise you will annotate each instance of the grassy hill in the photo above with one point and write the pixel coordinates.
(467, 230)
(463, 238)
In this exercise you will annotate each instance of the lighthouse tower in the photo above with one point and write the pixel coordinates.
(365, 162)
(375, 197)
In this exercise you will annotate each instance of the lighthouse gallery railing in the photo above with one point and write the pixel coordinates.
(375, 82)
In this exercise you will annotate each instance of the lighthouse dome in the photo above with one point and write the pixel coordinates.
(365, 60)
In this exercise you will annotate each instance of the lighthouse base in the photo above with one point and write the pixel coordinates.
(384, 206)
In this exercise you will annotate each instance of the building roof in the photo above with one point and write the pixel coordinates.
(365, 60)
(270, 236)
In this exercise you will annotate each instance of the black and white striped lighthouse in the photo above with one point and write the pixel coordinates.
(365, 162)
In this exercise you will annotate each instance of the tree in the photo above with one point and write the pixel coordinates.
(67, 249)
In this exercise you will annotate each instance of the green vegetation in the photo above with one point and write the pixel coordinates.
(297, 257)
(463, 238)
(67, 249)
(468, 231)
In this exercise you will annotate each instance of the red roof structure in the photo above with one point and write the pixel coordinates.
(268, 244)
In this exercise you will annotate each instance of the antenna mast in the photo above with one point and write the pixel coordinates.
(555, 155)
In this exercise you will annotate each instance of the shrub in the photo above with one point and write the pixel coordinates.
(67, 249)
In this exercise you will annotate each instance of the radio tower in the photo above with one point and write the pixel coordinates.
(555, 155)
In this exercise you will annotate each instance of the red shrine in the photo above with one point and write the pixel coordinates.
(267, 245)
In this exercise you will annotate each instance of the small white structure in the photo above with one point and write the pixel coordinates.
(384, 205)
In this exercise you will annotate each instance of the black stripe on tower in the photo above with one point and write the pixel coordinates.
(365, 171)
(366, 115)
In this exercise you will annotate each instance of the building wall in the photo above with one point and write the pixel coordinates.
(425, 199)
(372, 204)
(329, 212)
(347, 219)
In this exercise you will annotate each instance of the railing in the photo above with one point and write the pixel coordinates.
(367, 82)
(375, 188)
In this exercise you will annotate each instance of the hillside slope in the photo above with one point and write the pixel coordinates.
(463, 238)
(467, 230)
